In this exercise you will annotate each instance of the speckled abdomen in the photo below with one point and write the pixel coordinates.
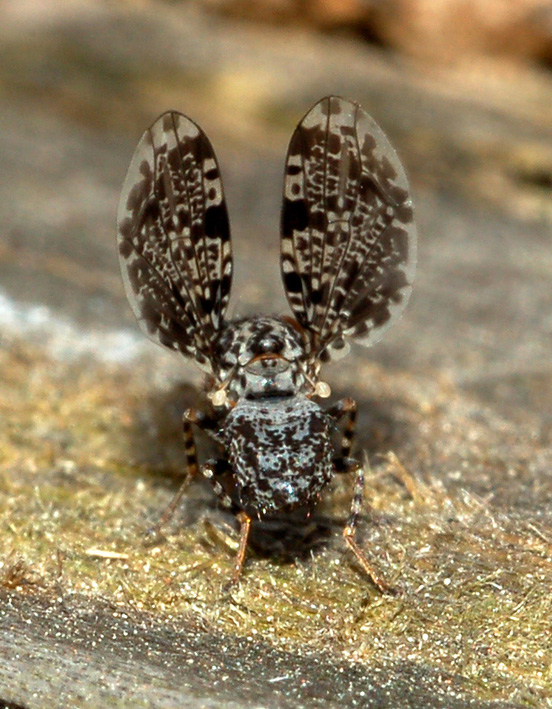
(281, 452)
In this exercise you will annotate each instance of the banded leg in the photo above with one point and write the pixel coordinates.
(349, 534)
(210, 426)
(346, 407)
(207, 423)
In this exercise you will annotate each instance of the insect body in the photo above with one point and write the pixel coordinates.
(348, 247)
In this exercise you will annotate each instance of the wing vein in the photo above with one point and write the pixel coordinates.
(186, 280)
(351, 228)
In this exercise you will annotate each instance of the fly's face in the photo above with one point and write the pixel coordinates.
(260, 358)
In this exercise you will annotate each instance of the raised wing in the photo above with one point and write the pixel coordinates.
(348, 248)
(174, 237)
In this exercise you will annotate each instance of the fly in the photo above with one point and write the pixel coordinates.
(347, 257)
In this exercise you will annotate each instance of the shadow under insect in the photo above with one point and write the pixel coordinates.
(285, 538)
(155, 440)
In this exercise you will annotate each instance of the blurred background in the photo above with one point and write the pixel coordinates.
(463, 89)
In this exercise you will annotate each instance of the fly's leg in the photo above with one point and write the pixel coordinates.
(211, 470)
(210, 426)
(349, 531)
(190, 451)
(345, 408)
(245, 528)
(343, 463)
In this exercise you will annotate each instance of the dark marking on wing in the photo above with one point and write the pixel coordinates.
(348, 246)
(174, 238)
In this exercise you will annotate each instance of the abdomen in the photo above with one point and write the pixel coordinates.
(280, 452)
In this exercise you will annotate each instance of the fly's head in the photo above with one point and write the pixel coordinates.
(261, 357)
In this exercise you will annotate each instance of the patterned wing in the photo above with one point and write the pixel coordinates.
(174, 237)
(348, 234)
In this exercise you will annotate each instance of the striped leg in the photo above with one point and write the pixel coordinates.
(190, 452)
(212, 470)
(210, 426)
(349, 534)
(345, 407)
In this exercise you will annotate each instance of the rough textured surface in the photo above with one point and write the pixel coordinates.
(147, 664)
(454, 404)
